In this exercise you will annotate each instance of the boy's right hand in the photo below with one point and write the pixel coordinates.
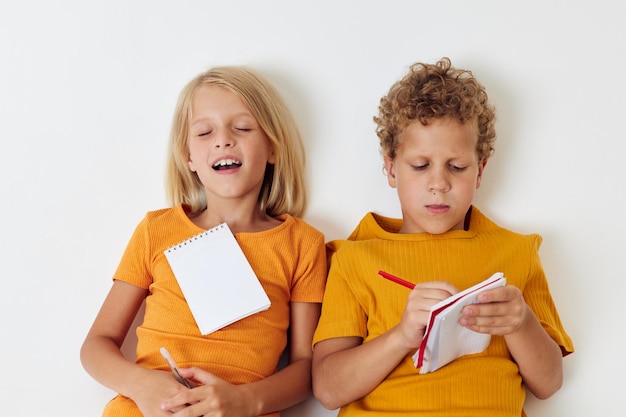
(415, 317)
(155, 387)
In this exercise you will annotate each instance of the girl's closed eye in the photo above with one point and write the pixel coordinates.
(246, 124)
(200, 129)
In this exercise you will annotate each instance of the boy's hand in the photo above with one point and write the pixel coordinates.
(500, 311)
(421, 299)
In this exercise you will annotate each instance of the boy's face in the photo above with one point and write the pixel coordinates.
(436, 172)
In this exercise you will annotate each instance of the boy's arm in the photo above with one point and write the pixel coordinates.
(539, 358)
(345, 369)
(504, 311)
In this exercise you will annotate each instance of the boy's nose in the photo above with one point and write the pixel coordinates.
(438, 181)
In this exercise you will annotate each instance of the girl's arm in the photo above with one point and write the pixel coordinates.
(103, 360)
(289, 386)
(292, 384)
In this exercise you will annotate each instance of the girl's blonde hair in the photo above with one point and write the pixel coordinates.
(283, 190)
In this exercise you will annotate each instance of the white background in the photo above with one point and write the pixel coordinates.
(87, 91)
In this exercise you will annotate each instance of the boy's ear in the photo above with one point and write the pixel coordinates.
(481, 168)
(390, 169)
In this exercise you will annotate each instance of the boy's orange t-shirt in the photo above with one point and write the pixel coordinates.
(358, 302)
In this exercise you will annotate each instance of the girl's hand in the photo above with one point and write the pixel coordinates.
(212, 397)
(415, 316)
(500, 311)
(156, 387)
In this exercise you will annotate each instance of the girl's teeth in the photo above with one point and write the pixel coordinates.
(225, 162)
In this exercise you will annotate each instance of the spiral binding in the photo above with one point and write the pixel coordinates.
(196, 237)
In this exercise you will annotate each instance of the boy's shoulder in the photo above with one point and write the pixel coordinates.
(371, 226)
(375, 226)
(484, 225)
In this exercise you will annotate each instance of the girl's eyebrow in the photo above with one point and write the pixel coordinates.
(209, 118)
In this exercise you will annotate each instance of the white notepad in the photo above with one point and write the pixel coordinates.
(217, 280)
(445, 339)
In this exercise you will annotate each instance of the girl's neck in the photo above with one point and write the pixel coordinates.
(238, 217)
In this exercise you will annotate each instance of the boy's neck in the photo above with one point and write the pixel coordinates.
(468, 216)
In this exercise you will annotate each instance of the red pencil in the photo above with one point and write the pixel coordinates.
(396, 279)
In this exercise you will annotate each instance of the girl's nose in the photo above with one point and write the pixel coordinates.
(223, 140)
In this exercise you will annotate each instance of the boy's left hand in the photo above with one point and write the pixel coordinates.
(500, 311)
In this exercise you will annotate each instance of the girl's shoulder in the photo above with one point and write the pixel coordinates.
(301, 225)
(176, 214)
(167, 212)
(291, 229)
(169, 222)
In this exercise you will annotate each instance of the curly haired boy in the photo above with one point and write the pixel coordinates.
(436, 131)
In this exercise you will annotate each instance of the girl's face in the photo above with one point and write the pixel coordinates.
(228, 150)
(436, 172)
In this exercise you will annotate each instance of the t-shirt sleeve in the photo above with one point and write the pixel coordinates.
(342, 314)
(134, 265)
(539, 299)
(310, 280)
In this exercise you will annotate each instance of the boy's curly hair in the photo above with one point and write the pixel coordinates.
(430, 91)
